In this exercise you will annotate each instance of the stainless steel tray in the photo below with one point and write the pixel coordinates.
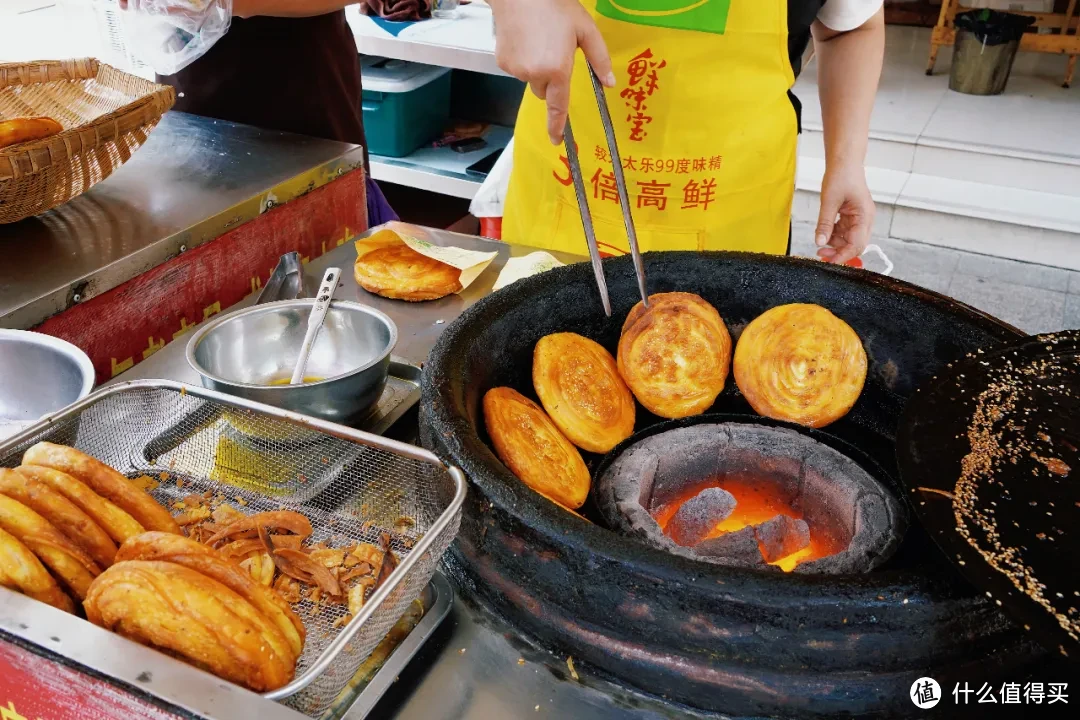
(401, 393)
(369, 684)
(336, 476)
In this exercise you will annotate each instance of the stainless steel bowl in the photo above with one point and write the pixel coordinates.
(243, 352)
(39, 374)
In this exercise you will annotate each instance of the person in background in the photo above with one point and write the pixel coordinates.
(704, 118)
(288, 65)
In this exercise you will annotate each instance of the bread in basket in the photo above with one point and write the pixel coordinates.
(106, 115)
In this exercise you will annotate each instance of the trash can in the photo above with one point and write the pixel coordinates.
(985, 47)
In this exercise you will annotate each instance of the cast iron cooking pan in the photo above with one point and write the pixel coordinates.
(1011, 417)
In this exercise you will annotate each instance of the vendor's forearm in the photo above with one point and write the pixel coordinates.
(288, 8)
(849, 67)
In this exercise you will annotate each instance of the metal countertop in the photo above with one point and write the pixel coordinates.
(194, 179)
(469, 669)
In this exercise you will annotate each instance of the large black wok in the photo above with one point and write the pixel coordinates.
(742, 642)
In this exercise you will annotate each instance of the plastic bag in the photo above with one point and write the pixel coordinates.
(490, 198)
(169, 35)
(991, 27)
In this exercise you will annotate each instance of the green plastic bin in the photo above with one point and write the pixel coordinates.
(406, 105)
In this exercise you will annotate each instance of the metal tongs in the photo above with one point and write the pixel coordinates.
(624, 198)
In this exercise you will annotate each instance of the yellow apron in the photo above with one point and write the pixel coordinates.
(704, 124)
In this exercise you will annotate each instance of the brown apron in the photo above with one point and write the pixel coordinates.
(299, 75)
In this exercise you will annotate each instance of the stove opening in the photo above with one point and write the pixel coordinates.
(752, 495)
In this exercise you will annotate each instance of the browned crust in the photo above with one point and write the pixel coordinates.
(191, 616)
(116, 523)
(105, 482)
(209, 562)
(534, 449)
(68, 563)
(800, 363)
(76, 526)
(21, 571)
(674, 356)
(400, 273)
(580, 388)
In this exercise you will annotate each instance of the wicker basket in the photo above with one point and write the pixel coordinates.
(106, 114)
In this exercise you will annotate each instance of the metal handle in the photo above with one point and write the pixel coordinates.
(315, 321)
(624, 198)
(620, 183)
(586, 215)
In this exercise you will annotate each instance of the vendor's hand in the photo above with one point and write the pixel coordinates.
(844, 193)
(537, 40)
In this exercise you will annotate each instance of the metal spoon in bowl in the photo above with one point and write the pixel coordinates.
(315, 321)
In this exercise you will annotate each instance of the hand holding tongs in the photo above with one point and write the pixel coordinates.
(624, 198)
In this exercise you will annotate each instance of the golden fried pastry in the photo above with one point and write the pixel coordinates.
(116, 523)
(209, 562)
(71, 565)
(75, 525)
(21, 571)
(20, 130)
(674, 355)
(106, 482)
(534, 449)
(800, 363)
(581, 390)
(190, 616)
(401, 273)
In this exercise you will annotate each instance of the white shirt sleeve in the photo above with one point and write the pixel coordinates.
(844, 15)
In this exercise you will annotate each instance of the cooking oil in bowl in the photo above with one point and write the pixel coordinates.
(288, 380)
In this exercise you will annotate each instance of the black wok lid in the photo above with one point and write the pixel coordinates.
(988, 456)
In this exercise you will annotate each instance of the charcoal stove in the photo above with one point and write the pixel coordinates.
(744, 641)
(749, 494)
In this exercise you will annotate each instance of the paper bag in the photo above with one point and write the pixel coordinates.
(522, 267)
(470, 262)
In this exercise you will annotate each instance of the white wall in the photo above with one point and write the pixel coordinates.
(59, 29)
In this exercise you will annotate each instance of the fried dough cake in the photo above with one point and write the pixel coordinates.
(21, 571)
(106, 482)
(71, 565)
(800, 363)
(208, 561)
(534, 448)
(400, 273)
(580, 388)
(116, 523)
(191, 616)
(76, 526)
(674, 355)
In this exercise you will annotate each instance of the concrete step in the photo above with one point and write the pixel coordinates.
(1023, 206)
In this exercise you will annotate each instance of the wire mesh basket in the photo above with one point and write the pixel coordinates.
(353, 486)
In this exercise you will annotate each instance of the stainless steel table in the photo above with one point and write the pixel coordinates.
(475, 667)
(194, 179)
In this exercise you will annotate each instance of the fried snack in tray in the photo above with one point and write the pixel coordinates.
(317, 573)
(534, 448)
(400, 273)
(674, 355)
(76, 526)
(27, 129)
(21, 571)
(69, 564)
(104, 481)
(580, 388)
(800, 363)
(209, 562)
(194, 617)
(116, 523)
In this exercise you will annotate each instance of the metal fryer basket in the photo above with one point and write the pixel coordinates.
(350, 484)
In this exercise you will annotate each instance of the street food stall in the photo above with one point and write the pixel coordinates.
(686, 521)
